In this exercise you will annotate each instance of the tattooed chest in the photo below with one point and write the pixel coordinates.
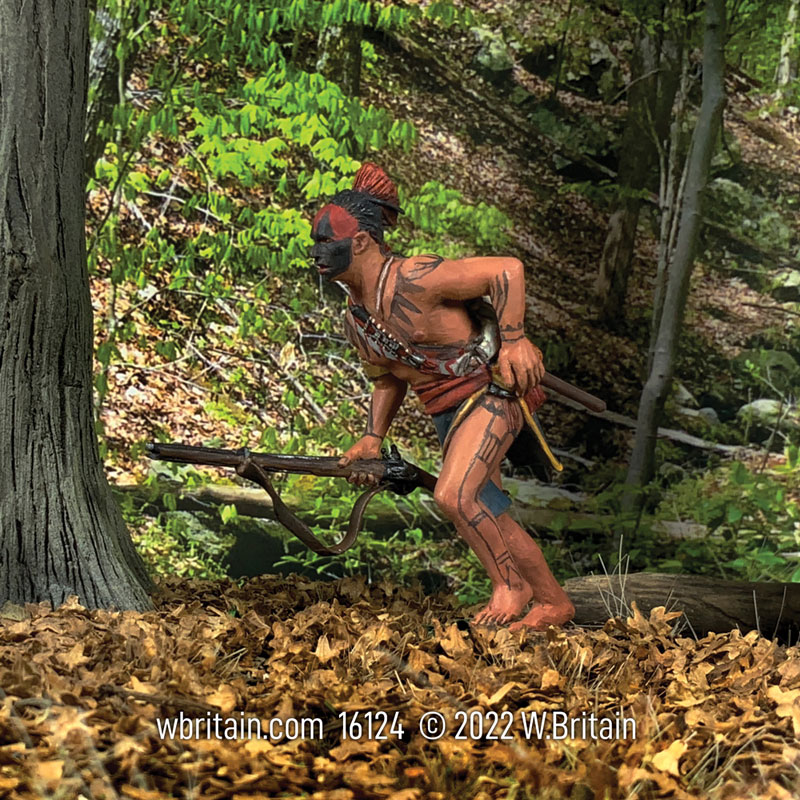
(430, 324)
(417, 317)
(409, 309)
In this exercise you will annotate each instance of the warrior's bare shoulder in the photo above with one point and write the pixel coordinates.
(456, 279)
(415, 269)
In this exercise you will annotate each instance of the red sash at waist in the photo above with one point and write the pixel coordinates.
(444, 393)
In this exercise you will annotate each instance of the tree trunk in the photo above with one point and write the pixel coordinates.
(653, 84)
(670, 198)
(698, 163)
(61, 532)
(104, 80)
(340, 56)
(560, 55)
(786, 71)
(707, 604)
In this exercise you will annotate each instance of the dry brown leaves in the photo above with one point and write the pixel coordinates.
(83, 692)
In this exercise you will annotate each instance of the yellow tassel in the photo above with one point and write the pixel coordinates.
(466, 407)
(526, 412)
(469, 404)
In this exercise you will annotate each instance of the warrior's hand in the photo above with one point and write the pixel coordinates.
(520, 365)
(366, 447)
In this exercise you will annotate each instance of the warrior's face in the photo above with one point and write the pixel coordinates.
(333, 232)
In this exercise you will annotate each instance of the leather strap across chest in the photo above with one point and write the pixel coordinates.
(377, 338)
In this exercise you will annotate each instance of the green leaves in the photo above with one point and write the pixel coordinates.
(752, 519)
(228, 513)
(284, 115)
(454, 226)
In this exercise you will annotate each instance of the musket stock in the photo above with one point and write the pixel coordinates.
(574, 393)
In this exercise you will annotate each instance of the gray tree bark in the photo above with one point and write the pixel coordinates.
(707, 604)
(786, 67)
(704, 138)
(654, 81)
(61, 532)
(339, 58)
(672, 183)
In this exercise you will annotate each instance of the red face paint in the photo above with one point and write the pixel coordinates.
(333, 222)
(333, 233)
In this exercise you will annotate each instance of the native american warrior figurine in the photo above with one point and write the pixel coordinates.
(422, 322)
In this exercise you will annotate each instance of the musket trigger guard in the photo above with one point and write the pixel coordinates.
(245, 465)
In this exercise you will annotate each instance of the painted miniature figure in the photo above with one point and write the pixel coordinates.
(421, 321)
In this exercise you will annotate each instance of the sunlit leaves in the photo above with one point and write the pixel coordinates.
(439, 211)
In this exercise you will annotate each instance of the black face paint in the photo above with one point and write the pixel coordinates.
(331, 255)
(332, 258)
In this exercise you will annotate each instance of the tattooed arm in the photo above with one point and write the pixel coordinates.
(503, 279)
(387, 396)
(519, 361)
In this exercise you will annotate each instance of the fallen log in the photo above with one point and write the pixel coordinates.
(251, 502)
(529, 508)
(205, 499)
(708, 604)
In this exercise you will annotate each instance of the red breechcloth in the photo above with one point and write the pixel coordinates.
(444, 393)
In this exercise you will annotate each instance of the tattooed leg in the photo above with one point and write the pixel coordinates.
(474, 453)
(552, 604)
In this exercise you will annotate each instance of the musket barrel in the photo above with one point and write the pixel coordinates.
(323, 466)
(391, 471)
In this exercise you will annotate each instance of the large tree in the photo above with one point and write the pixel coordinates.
(61, 532)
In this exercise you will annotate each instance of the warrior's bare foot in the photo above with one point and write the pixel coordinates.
(541, 617)
(504, 605)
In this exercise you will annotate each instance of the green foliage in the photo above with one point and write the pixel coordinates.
(582, 135)
(755, 30)
(753, 521)
(602, 193)
(405, 552)
(774, 370)
(177, 543)
(748, 214)
(444, 223)
(751, 517)
(557, 355)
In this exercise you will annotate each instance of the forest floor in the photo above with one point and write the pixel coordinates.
(624, 712)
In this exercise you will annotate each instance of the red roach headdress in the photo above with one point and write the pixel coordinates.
(372, 205)
(372, 180)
